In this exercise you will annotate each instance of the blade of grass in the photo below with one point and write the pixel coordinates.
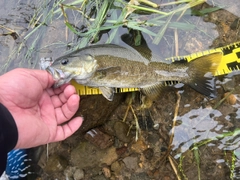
(142, 29)
(148, 9)
(175, 2)
(154, 5)
(189, 5)
(197, 159)
(180, 167)
(96, 25)
(162, 31)
(117, 24)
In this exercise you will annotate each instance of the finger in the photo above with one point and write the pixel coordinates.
(68, 91)
(50, 91)
(68, 129)
(56, 91)
(60, 89)
(56, 101)
(62, 98)
(65, 112)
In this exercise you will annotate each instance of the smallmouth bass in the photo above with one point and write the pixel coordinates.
(110, 66)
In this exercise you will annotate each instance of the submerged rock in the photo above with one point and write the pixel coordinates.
(55, 164)
(96, 110)
(121, 131)
(99, 138)
(230, 98)
(74, 173)
(87, 155)
(131, 163)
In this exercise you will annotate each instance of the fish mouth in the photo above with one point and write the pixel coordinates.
(56, 73)
(58, 76)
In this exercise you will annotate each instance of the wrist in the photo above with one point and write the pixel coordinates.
(8, 129)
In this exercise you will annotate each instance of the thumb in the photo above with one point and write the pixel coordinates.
(45, 79)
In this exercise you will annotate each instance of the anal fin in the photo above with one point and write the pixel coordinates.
(107, 92)
(153, 92)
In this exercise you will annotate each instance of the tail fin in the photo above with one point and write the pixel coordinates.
(201, 71)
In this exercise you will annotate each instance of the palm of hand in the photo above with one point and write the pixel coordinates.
(38, 110)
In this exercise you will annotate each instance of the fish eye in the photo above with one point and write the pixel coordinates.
(64, 61)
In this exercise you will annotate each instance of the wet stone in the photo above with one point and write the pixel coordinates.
(68, 172)
(96, 110)
(148, 153)
(121, 131)
(139, 146)
(120, 151)
(140, 176)
(156, 126)
(117, 167)
(131, 162)
(99, 177)
(109, 156)
(106, 172)
(153, 138)
(99, 138)
(78, 174)
(230, 98)
(55, 163)
(88, 155)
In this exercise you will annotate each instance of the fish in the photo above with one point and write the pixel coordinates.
(110, 66)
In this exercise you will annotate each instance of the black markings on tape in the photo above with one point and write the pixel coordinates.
(237, 44)
(228, 50)
(117, 90)
(178, 59)
(233, 65)
(238, 54)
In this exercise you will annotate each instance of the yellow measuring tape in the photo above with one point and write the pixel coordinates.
(230, 58)
(229, 63)
(85, 90)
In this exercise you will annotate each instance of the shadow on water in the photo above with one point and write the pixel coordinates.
(204, 141)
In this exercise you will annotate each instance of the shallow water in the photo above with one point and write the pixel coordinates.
(206, 135)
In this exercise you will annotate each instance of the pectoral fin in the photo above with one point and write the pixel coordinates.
(107, 92)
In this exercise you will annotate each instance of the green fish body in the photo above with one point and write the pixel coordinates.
(110, 66)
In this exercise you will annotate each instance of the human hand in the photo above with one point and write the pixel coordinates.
(40, 112)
